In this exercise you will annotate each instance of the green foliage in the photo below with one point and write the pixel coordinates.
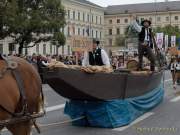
(31, 20)
(59, 39)
(168, 30)
(120, 40)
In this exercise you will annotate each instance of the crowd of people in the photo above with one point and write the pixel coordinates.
(45, 60)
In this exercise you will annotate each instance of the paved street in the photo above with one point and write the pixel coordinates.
(163, 120)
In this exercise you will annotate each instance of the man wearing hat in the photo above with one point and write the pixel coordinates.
(96, 57)
(145, 42)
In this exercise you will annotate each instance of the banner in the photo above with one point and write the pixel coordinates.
(160, 40)
(166, 41)
(173, 41)
(81, 44)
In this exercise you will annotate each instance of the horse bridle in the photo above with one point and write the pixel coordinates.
(12, 67)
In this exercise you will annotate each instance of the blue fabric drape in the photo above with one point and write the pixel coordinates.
(114, 113)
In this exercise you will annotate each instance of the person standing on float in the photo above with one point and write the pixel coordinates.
(96, 57)
(145, 47)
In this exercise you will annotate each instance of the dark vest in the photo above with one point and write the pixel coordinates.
(142, 36)
(95, 58)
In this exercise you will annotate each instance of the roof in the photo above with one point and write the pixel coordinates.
(143, 8)
(88, 2)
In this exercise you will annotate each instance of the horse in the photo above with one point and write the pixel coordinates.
(11, 102)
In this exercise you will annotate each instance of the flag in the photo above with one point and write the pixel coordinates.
(173, 41)
(166, 41)
(160, 40)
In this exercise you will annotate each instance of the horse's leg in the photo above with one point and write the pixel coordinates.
(21, 128)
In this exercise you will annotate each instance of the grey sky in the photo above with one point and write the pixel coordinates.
(119, 2)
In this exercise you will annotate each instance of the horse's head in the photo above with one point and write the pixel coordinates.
(11, 95)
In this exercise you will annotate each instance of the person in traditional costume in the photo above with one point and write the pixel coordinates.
(96, 57)
(177, 69)
(145, 42)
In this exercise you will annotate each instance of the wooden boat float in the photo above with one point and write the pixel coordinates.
(78, 85)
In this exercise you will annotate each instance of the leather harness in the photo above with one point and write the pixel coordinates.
(23, 114)
(13, 68)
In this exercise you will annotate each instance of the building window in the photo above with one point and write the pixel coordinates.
(92, 33)
(50, 49)
(142, 19)
(79, 31)
(118, 20)
(110, 42)
(88, 18)
(110, 31)
(176, 18)
(100, 35)
(167, 18)
(159, 19)
(11, 47)
(68, 31)
(118, 31)
(68, 13)
(83, 17)
(96, 34)
(1, 48)
(110, 21)
(69, 50)
(74, 15)
(44, 49)
(96, 19)
(92, 19)
(74, 30)
(83, 32)
(150, 19)
(37, 48)
(79, 16)
(100, 20)
(126, 20)
(176, 27)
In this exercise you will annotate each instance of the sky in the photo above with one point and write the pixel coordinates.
(105, 3)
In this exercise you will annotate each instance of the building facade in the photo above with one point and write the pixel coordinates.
(118, 18)
(86, 20)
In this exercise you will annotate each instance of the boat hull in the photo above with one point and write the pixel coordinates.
(78, 85)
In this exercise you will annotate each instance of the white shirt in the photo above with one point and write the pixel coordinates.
(178, 66)
(104, 57)
(173, 65)
(138, 28)
(45, 63)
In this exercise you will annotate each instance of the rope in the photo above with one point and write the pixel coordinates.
(61, 123)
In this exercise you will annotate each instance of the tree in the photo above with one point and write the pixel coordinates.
(168, 30)
(120, 40)
(34, 21)
(7, 15)
(59, 39)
